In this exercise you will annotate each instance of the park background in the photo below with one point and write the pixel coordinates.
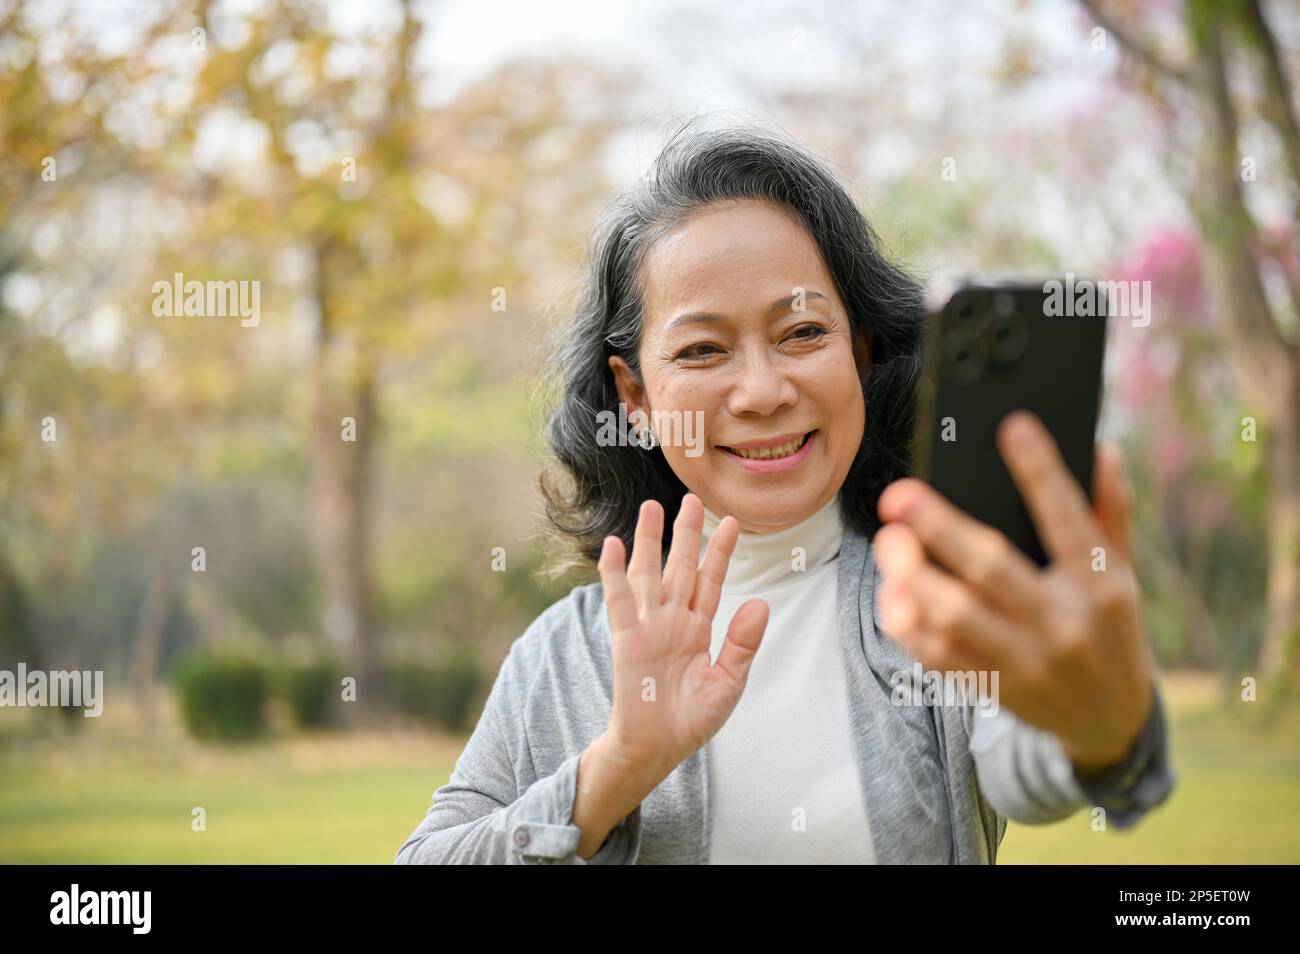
(413, 185)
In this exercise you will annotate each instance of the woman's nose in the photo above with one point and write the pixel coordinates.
(761, 387)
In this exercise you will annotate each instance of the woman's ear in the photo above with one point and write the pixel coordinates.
(629, 391)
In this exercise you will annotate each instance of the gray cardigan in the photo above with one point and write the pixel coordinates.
(938, 788)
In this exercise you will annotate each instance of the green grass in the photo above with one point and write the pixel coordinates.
(104, 795)
(329, 799)
(1237, 798)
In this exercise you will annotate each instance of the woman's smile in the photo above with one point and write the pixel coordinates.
(773, 455)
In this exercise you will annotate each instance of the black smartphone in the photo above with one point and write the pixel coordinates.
(993, 348)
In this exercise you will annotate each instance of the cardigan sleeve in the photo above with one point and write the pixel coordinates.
(1026, 775)
(488, 814)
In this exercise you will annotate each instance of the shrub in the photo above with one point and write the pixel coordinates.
(222, 696)
(311, 689)
(438, 690)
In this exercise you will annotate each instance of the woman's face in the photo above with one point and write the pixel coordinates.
(746, 334)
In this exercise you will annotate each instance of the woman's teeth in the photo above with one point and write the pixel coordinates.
(770, 453)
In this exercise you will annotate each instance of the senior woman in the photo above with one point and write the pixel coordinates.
(729, 695)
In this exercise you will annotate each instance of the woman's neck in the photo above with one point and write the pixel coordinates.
(765, 560)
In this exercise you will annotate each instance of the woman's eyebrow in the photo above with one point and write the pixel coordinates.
(691, 317)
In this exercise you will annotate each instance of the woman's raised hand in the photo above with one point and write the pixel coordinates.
(669, 698)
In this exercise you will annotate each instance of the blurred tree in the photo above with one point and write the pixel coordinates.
(1262, 333)
(70, 400)
(1202, 488)
(383, 197)
(273, 146)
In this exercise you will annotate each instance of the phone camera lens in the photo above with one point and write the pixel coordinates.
(1007, 337)
(965, 356)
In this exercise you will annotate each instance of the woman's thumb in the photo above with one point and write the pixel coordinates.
(1112, 500)
(744, 634)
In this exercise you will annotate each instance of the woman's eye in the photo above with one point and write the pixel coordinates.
(697, 351)
(808, 332)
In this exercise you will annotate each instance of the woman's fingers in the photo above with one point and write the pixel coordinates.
(1055, 500)
(974, 551)
(744, 634)
(713, 568)
(645, 572)
(684, 553)
(940, 617)
(619, 599)
(1112, 500)
(899, 613)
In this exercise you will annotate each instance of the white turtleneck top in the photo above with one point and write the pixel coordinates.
(783, 773)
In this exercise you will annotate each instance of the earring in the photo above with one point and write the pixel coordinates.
(646, 440)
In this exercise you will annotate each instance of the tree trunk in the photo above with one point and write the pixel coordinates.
(1266, 365)
(340, 465)
(147, 640)
(1281, 655)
